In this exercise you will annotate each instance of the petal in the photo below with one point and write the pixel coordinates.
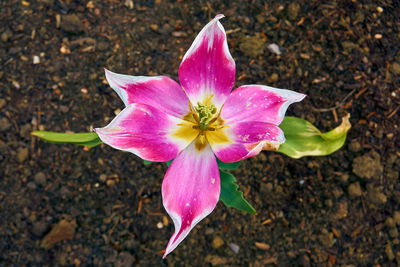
(190, 190)
(160, 92)
(258, 103)
(146, 132)
(208, 69)
(244, 140)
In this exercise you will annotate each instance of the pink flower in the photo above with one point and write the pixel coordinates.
(195, 122)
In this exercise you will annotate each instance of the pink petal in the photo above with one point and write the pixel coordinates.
(146, 132)
(258, 103)
(190, 191)
(247, 140)
(160, 92)
(208, 68)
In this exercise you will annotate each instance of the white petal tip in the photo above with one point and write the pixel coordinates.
(219, 16)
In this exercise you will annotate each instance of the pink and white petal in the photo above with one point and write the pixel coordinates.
(247, 139)
(258, 103)
(208, 69)
(160, 92)
(190, 191)
(146, 132)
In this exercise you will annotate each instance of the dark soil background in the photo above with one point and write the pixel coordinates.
(62, 205)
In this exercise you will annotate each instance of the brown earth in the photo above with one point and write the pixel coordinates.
(339, 210)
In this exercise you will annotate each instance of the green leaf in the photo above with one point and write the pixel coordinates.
(83, 139)
(227, 166)
(146, 162)
(231, 196)
(304, 139)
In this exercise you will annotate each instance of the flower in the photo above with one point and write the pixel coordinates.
(195, 122)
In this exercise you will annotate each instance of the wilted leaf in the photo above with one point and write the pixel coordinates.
(304, 139)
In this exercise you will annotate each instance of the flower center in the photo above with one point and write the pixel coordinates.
(206, 114)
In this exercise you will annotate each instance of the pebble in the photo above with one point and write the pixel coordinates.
(294, 9)
(234, 247)
(368, 165)
(2, 103)
(376, 196)
(274, 77)
(40, 178)
(354, 146)
(124, 259)
(39, 228)
(266, 188)
(390, 222)
(4, 124)
(326, 238)
(31, 185)
(36, 59)
(354, 190)
(396, 217)
(22, 154)
(395, 68)
(389, 252)
(217, 242)
(71, 23)
(252, 46)
(274, 48)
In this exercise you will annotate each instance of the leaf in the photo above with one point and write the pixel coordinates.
(227, 166)
(146, 162)
(82, 139)
(231, 196)
(304, 139)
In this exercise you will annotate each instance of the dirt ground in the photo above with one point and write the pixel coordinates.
(62, 205)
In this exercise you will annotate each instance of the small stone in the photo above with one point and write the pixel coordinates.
(376, 196)
(354, 190)
(102, 46)
(103, 177)
(348, 46)
(234, 247)
(215, 260)
(60, 231)
(4, 124)
(124, 259)
(31, 186)
(154, 27)
(390, 222)
(354, 146)
(40, 178)
(22, 154)
(326, 238)
(217, 242)
(294, 9)
(368, 165)
(160, 225)
(396, 217)
(39, 228)
(71, 23)
(266, 188)
(395, 68)
(274, 77)
(389, 252)
(252, 46)
(36, 60)
(2, 103)
(393, 232)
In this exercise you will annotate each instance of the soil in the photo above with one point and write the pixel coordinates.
(62, 205)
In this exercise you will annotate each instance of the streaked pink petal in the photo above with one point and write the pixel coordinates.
(190, 191)
(248, 139)
(160, 92)
(208, 69)
(258, 103)
(144, 131)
